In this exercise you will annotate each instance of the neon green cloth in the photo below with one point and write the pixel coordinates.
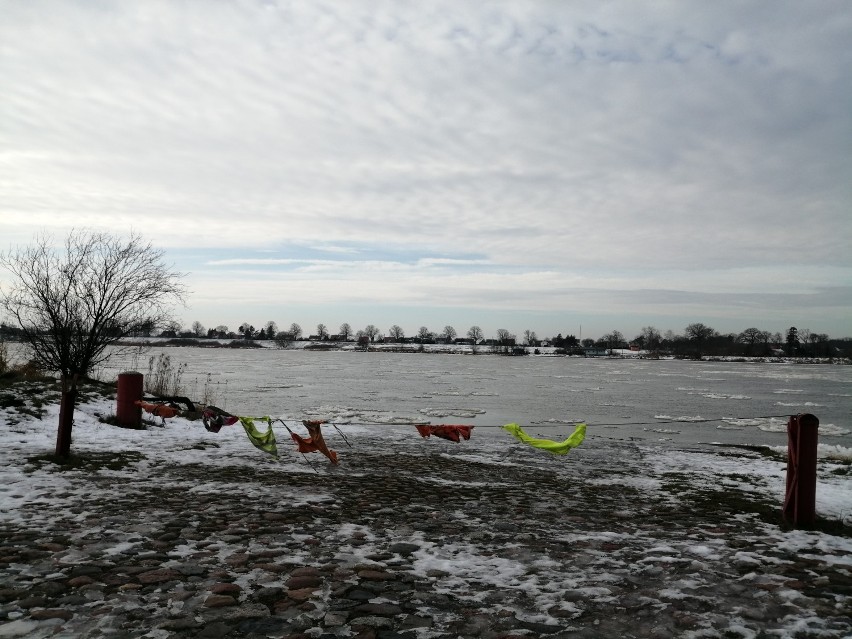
(264, 441)
(557, 448)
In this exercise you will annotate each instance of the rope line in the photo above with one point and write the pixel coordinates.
(654, 423)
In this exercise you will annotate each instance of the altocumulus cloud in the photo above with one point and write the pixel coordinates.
(662, 161)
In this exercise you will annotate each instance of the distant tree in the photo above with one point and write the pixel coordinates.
(396, 333)
(805, 343)
(423, 334)
(261, 334)
(588, 342)
(198, 329)
(271, 329)
(283, 339)
(246, 330)
(71, 304)
(345, 331)
(145, 329)
(611, 340)
(570, 342)
(371, 332)
(751, 337)
(222, 331)
(295, 331)
(505, 341)
(530, 338)
(322, 331)
(449, 333)
(699, 333)
(476, 335)
(173, 327)
(821, 342)
(792, 341)
(650, 338)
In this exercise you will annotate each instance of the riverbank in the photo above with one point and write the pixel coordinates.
(174, 531)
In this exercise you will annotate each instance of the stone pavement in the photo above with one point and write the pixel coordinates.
(388, 546)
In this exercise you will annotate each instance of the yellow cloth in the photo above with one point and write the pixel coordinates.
(264, 441)
(557, 448)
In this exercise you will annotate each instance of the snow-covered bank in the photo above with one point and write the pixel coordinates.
(423, 537)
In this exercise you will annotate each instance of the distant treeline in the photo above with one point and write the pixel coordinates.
(696, 340)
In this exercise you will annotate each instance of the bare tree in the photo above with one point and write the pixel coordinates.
(295, 331)
(71, 304)
(699, 333)
(371, 332)
(424, 334)
(530, 338)
(322, 331)
(650, 338)
(449, 333)
(197, 329)
(171, 328)
(476, 335)
(505, 341)
(396, 333)
(345, 331)
(752, 336)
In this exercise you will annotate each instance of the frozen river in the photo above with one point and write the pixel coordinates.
(686, 402)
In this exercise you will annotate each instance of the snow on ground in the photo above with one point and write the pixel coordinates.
(617, 536)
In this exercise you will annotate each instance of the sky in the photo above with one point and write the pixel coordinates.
(561, 167)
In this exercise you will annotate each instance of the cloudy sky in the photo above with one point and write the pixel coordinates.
(522, 165)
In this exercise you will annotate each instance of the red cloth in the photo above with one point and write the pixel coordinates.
(453, 432)
(214, 421)
(160, 410)
(314, 443)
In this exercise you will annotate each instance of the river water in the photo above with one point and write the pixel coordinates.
(685, 402)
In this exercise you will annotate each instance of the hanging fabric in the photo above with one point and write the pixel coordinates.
(315, 442)
(160, 410)
(264, 441)
(214, 421)
(452, 432)
(557, 448)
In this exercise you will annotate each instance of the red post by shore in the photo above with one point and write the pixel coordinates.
(130, 390)
(800, 501)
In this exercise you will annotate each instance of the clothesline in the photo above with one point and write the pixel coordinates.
(214, 420)
(585, 421)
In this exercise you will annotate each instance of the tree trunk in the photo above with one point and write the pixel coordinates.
(66, 416)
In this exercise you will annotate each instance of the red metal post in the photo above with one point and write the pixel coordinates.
(129, 391)
(800, 501)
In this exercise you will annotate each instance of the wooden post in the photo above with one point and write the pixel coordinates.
(800, 501)
(127, 413)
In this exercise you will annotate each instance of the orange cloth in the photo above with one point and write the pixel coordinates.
(453, 432)
(315, 442)
(160, 410)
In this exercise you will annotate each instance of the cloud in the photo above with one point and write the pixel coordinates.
(546, 141)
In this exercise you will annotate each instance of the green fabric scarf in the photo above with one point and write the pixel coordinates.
(264, 441)
(557, 448)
